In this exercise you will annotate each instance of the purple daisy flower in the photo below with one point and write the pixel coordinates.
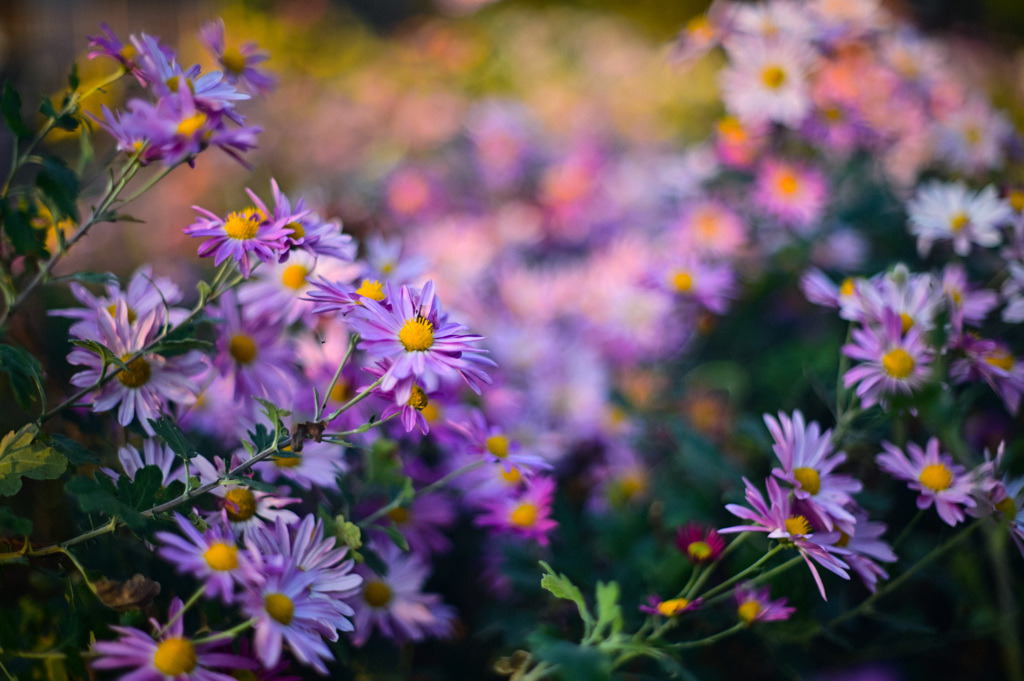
(246, 510)
(308, 231)
(710, 285)
(411, 411)
(754, 604)
(968, 304)
(423, 522)
(493, 443)
(892, 363)
(699, 544)
(153, 454)
(211, 557)
(424, 346)
(239, 236)
(952, 212)
(239, 62)
(934, 475)
(172, 657)
(793, 194)
(992, 362)
(318, 465)
(866, 547)
(672, 607)
(528, 515)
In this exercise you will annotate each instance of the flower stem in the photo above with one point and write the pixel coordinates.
(355, 400)
(743, 573)
(438, 484)
(230, 633)
(337, 374)
(714, 638)
(178, 615)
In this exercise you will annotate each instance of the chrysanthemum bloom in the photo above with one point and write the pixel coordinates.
(246, 510)
(672, 607)
(109, 45)
(766, 80)
(710, 285)
(417, 337)
(754, 604)
(385, 261)
(820, 290)
(153, 454)
(149, 383)
(952, 212)
(790, 528)
(711, 229)
(699, 544)
(807, 464)
(172, 657)
(410, 413)
(1013, 293)
(318, 465)
(994, 363)
(915, 297)
(866, 548)
(239, 236)
(974, 137)
(891, 363)
(527, 515)
(395, 602)
(211, 557)
(277, 293)
(791, 193)
(239, 62)
(702, 33)
(968, 303)
(423, 523)
(337, 296)
(934, 475)
(495, 443)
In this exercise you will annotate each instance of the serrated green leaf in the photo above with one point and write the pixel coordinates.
(141, 493)
(397, 537)
(20, 457)
(10, 106)
(172, 348)
(26, 374)
(252, 483)
(261, 439)
(14, 524)
(74, 452)
(100, 496)
(59, 188)
(561, 586)
(273, 412)
(73, 79)
(174, 437)
(26, 239)
(102, 350)
(608, 611)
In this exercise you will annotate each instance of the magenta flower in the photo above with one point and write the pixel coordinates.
(527, 515)
(212, 556)
(867, 548)
(892, 363)
(994, 363)
(239, 236)
(699, 544)
(934, 475)
(754, 604)
(791, 193)
(672, 607)
(423, 523)
(239, 63)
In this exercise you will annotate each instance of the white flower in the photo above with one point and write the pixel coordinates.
(952, 212)
(767, 80)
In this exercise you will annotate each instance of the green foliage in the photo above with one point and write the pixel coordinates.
(21, 457)
(10, 106)
(13, 523)
(108, 356)
(58, 186)
(26, 374)
(609, 614)
(74, 452)
(125, 498)
(395, 535)
(173, 347)
(26, 239)
(561, 586)
(574, 663)
(64, 121)
(174, 437)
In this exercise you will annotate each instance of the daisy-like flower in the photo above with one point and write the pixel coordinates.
(699, 544)
(820, 290)
(973, 137)
(994, 363)
(423, 347)
(239, 62)
(711, 229)
(239, 236)
(807, 464)
(934, 475)
(672, 607)
(952, 212)
(710, 285)
(891, 363)
(423, 523)
(527, 515)
(494, 443)
(754, 604)
(172, 657)
(766, 80)
(153, 454)
(318, 465)
(968, 303)
(866, 549)
(337, 296)
(277, 293)
(395, 603)
(791, 193)
(410, 413)
(109, 45)
(915, 297)
(781, 521)
(246, 510)
(211, 557)
(150, 381)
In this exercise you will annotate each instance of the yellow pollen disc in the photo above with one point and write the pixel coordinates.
(242, 225)
(220, 556)
(843, 540)
(958, 221)
(243, 675)
(797, 524)
(846, 289)
(682, 281)
(279, 607)
(137, 375)
(936, 477)
(511, 476)
(127, 52)
(340, 392)
(972, 135)
(417, 334)
(731, 129)
(1007, 508)
(525, 515)
(400, 515)
(699, 25)
(294, 276)
(431, 413)
(906, 322)
(112, 309)
(175, 656)
(749, 611)
(773, 77)
(698, 550)
(233, 60)
(898, 363)
(833, 114)
(808, 479)
(298, 231)
(498, 445)
(242, 349)
(287, 461)
(241, 505)
(672, 607)
(1017, 200)
(418, 399)
(632, 484)
(190, 125)
(377, 594)
(1001, 359)
(788, 184)
(371, 289)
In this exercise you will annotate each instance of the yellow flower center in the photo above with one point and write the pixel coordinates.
(279, 607)
(511, 476)
(698, 550)
(400, 515)
(525, 515)
(127, 52)
(749, 611)
(833, 113)
(683, 281)
(936, 477)
(732, 130)
(958, 221)
(242, 349)
(173, 82)
(972, 135)
(340, 392)
(898, 363)
(242, 225)
(190, 125)
(294, 276)
(672, 607)
(773, 77)
(371, 289)
(906, 322)
(846, 289)
(175, 656)
(1017, 200)
(221, 556)
(287, 461)
(377, 594)
(241, 504)
(233, 60)
(418, 398)
(1001, 359)
(788, 184)
(808, 479)
(797, 524)
(136, 375)
(1007, 508)
(112, 309)
(431, 413)
(498, 445)
(417, 334)
(843, 540)
(298, 231)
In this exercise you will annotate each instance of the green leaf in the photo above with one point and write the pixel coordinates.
(562, 587)
(397, 537)
(172, 348)
(59, 187)
(174, 437)
(273, 412)
(26, 375)
(12, 523)
(608, 610)
(10, 106)
(72, 451)
(88, 277)
(204, 292)
(21, 458)
(102, 350)
(575, 663)
(63, 121)
(27, 240)
(100, 496)
(85, 149)
(142, 492)
(261, 438)
(252, 483)
(73, 79)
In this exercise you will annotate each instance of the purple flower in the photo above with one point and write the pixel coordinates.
(792, 194)
(892, 363)
(699, 544)
(992, 362)
(212, 556)
(934, 475)
(527, 515)
(423, 522)
(246, 510)
(866, 547)
(238, 62)
(672, 607)
(239, 236)
(493, 443)
(754, 604)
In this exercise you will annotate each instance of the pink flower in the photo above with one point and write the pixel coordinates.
(934, 475)
(527, 515)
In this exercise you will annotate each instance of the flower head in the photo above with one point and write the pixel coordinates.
(239, 63)
(934, 475)
(891, 363)
(754, 604)
(212, 556)
(699, 544)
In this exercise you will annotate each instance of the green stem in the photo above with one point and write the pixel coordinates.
(397, 501)
(337, 374)
(361, 429)
(694, 574)
(743, 573)
(355, 400)
(906, 530)
(193, 599)
(763, 577)
(733, 545)
(230, 633)
(700, 643)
